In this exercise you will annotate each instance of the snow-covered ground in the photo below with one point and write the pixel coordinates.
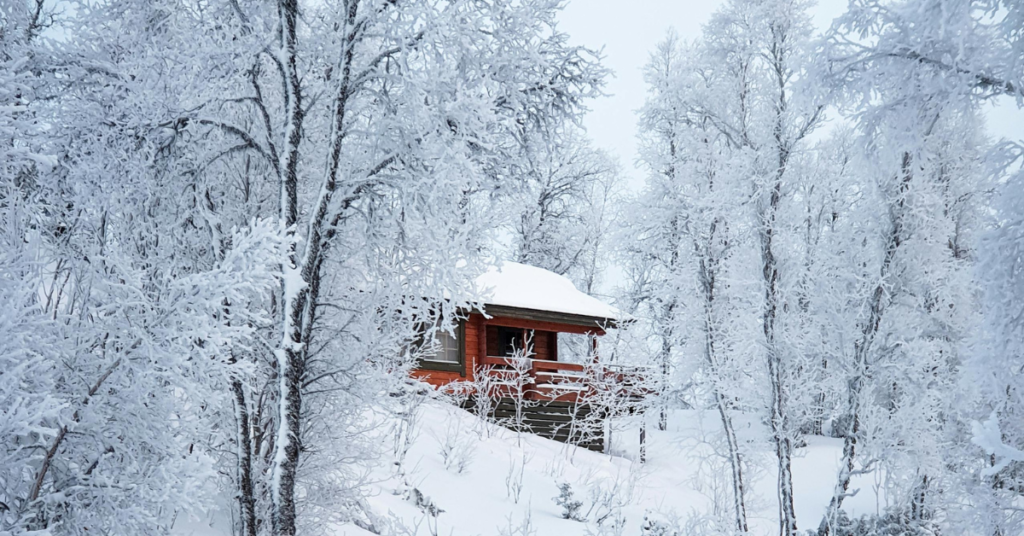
(682, 481)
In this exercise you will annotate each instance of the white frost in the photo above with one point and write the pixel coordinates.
(988, 436)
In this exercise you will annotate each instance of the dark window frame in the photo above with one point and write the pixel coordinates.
(522, 336)
(447, 366)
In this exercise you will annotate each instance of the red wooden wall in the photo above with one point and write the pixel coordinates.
(481, 340)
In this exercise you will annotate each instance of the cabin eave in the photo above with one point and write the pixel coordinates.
(553, 317)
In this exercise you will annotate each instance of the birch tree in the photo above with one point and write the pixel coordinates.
(564, 209)
(693, 215)
(925, 144)
(654, 249)
(127, 369)
(769, 109)
(419, 101)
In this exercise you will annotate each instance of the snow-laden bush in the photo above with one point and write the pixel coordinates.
(652, 526)
(570, 505)
(456, 448)
(523, 528)
(891, 523)
(605, 497)
(514, 476)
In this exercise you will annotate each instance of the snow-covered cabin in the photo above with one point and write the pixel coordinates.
(512, 347)
(525, 310)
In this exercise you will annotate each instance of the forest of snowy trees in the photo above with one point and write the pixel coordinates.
(219, 219)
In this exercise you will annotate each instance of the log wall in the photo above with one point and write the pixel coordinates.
(576, 424)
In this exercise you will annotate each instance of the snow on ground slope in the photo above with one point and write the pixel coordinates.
(507, 480)
(483, 480)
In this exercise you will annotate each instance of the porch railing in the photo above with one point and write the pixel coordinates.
(543, 380)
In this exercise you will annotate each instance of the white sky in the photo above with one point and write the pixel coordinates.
(628, 31)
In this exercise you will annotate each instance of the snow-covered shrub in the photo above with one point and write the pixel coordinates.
(570, 505)
(483, 403)
(519, 380)
(606, 496)
(457, 449)
(405, 428)
(524, 528)
(891, 523)
(555, 467)
(652, 526)
(514, 476)
(612, 526)
(415, 496)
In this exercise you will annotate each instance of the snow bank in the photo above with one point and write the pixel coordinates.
(512, 284)
(683, 477)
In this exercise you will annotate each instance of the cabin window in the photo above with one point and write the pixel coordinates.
(507, 341)
(576, 348)
(447, 347)
(449, 351)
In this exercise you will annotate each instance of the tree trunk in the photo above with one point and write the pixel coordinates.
(735, 464)
(845, 470)
(290, 356)
(776, 373)
(246, 497)
(287, 444)
(302, 276)
(783, 443)
(818, 426)
(666, 353)
(708, 272)
(779, 418)
(868, 332)
(735, 458)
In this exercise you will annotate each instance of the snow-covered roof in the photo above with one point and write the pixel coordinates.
(511, 284)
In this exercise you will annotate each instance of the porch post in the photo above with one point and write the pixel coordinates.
(481, 343)
(643, 438)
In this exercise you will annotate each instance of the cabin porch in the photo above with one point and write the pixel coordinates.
(532, 349)
(553, 381)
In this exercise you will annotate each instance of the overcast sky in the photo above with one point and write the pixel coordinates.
(628, 31)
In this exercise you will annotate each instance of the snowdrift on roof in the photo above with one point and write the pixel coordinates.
(512, 284)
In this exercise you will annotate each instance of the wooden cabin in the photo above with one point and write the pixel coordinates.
(526, 316)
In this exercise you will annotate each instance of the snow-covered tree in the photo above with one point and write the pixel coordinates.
(913, 74)
(419, 102)
(128, 358)
(749, 93)
(372, 133)
(564, 206)
(689, 224)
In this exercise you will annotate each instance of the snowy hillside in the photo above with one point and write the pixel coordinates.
(680, 480)
(681, 483)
